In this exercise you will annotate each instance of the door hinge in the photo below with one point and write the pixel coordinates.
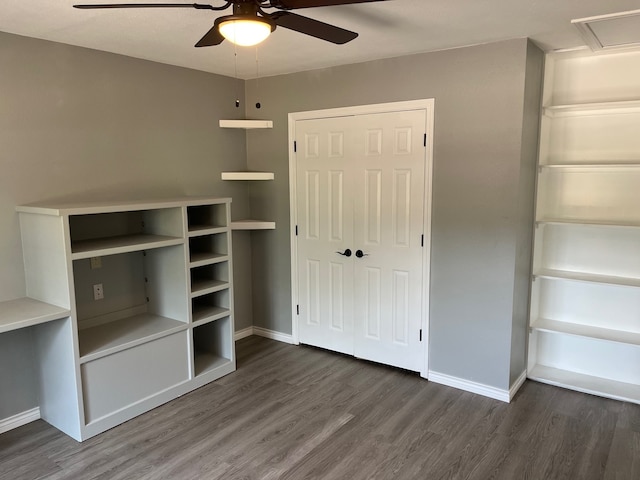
(295, 146)
(422, 240)
(425, 139)
(420, 334)
(296, 230)
(297, 309)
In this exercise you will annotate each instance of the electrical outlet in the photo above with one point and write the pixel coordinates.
(96, 262)
(98, 292)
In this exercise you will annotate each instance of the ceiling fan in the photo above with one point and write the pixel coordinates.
(250, 24)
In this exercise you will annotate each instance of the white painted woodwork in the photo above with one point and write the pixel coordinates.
(360, 185)
(247, 176)
(252, 225)
(167, 270)
(26, 312)
(246, 124)
(585, 306)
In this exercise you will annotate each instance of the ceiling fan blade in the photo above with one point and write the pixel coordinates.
(211, 38)
(198, 6)
(312, 27)
(292, 4)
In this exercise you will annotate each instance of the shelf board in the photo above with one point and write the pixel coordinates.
(203, 287)
(252, 225)
(247, 124)
(206, 362)
(26, 312)
(201, 230)
(576, 329)
(204, 314)
(597, 108)
(122, 244)
(201, 259)
(627, 392)
(595, 223)
(616, 164)
(247, 176)
(112, 337)
(586, 277)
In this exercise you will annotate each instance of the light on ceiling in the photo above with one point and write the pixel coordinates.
(245, 32)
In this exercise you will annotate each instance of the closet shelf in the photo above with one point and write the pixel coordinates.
(596, 108)
(246, 124)
(587, 166)
(252, 225)
(120, 244)
(204, 287)
(247, 176)
(586, 277)
(202, 259)
(586, 383)
(582, 330)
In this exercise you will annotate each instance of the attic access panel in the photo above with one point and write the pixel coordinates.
(612, 31)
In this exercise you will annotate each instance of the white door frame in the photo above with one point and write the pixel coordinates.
(424, 104)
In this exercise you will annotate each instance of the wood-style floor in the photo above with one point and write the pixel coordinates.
(302, 413)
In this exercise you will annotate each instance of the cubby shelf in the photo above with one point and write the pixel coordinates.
(165, 288)
(112, 337)
(121, 244)
(252, 225)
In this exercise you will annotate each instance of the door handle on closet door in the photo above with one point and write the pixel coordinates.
(346, 253)
(360, 254)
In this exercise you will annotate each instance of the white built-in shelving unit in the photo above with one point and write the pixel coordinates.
(165, 324)
(250, 176)
(585, 308)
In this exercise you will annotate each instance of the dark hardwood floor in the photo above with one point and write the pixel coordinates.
(302, 413)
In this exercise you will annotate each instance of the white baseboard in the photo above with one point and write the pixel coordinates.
(19, 420)
(516, 386)
(263, 332)
(245, 332)
(473, 387)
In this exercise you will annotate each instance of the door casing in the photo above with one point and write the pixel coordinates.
(423, 104)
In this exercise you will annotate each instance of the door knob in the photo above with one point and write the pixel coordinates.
(360, 254)
(346, 253)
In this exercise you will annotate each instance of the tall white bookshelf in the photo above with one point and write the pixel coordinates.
(585, 308)
(165, 324)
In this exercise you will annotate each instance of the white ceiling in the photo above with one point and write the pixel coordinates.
(387, 29)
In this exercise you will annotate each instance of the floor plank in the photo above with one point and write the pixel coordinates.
(297, 413)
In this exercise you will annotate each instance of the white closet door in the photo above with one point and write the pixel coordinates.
(325, 227)
(388, 228)
(360, 186)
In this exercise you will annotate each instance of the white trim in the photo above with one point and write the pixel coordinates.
(19, 419)
(244, 333)
(469, 386)
(266, 333)
(422, 104)
(517, 384)
(273, 335)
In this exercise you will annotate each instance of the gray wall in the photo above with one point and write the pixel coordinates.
(477, 218)
(80, 123)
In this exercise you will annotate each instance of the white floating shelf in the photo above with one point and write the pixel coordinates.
(252, 225)
(581, 330)
(586, 383)
(248, 124)
(587, 277)
(247, 176)
(599, 108)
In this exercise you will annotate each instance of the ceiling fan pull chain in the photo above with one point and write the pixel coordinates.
(235, 75)
(257, 78)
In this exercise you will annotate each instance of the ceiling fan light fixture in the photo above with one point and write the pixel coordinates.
(247, 31)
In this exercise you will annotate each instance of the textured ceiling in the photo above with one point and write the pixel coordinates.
(387, 29)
